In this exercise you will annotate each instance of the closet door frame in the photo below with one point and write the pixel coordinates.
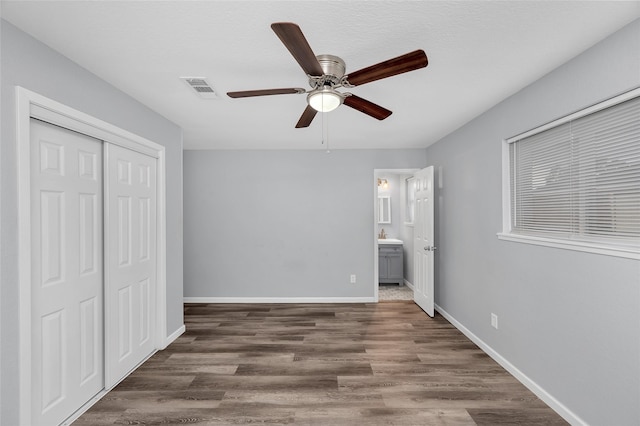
(32, 105)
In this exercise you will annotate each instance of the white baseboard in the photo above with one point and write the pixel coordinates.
(174, 335)
(540, 392)
(279, 300)
(408, 284)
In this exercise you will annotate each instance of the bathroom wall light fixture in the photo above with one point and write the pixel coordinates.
(383, 183)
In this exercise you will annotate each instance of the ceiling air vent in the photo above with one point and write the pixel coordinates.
(201, 87)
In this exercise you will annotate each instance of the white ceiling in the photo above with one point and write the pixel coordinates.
(480, 52)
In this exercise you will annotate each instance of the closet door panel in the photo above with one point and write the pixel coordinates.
(130, 230)
(66, 271)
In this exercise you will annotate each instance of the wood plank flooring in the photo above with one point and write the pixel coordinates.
(317, 364)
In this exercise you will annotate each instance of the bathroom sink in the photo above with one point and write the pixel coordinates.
(389, 241)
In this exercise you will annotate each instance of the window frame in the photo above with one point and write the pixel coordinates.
(603, 248)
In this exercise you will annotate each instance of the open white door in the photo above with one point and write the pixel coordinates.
(423, 247)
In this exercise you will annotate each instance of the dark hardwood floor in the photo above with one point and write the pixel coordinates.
(319, 364)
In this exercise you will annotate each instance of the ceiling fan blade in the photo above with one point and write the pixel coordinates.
(265, 92)
(369, 108)
(291, 36)
(306, 118)
(404, 63)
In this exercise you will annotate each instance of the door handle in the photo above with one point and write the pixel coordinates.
(430, 248)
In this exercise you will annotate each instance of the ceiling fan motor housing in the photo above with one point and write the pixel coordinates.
(333, 68)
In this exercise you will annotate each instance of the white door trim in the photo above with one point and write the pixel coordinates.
(30, 104)
(376, 174)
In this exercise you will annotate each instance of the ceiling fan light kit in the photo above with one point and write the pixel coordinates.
(324, 100)
(327, 73)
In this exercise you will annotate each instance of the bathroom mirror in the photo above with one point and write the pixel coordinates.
(384, 209)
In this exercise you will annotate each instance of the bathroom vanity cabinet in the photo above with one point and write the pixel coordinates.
(390, 263)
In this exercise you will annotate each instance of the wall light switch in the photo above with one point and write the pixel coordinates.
(494, 321)
(353, 278)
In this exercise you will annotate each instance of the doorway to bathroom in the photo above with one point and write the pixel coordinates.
(394, 210)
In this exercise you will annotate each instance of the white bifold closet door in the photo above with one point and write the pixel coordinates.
(130, 234)
(66, 271)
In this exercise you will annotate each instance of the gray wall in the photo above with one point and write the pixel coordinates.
(283, 223)
(568, 320)
(29, 63)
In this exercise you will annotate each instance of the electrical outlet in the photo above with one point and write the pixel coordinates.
(353, 278)
(494, 321)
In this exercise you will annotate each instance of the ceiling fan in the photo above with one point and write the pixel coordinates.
(327, 73)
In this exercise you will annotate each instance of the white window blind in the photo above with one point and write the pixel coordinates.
(580, 180)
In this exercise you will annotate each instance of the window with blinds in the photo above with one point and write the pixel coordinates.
(579, 178)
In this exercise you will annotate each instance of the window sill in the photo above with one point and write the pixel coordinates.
(607, 250)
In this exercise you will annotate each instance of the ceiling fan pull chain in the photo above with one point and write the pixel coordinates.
(327, 136)
(325, 130)
(322, 125)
